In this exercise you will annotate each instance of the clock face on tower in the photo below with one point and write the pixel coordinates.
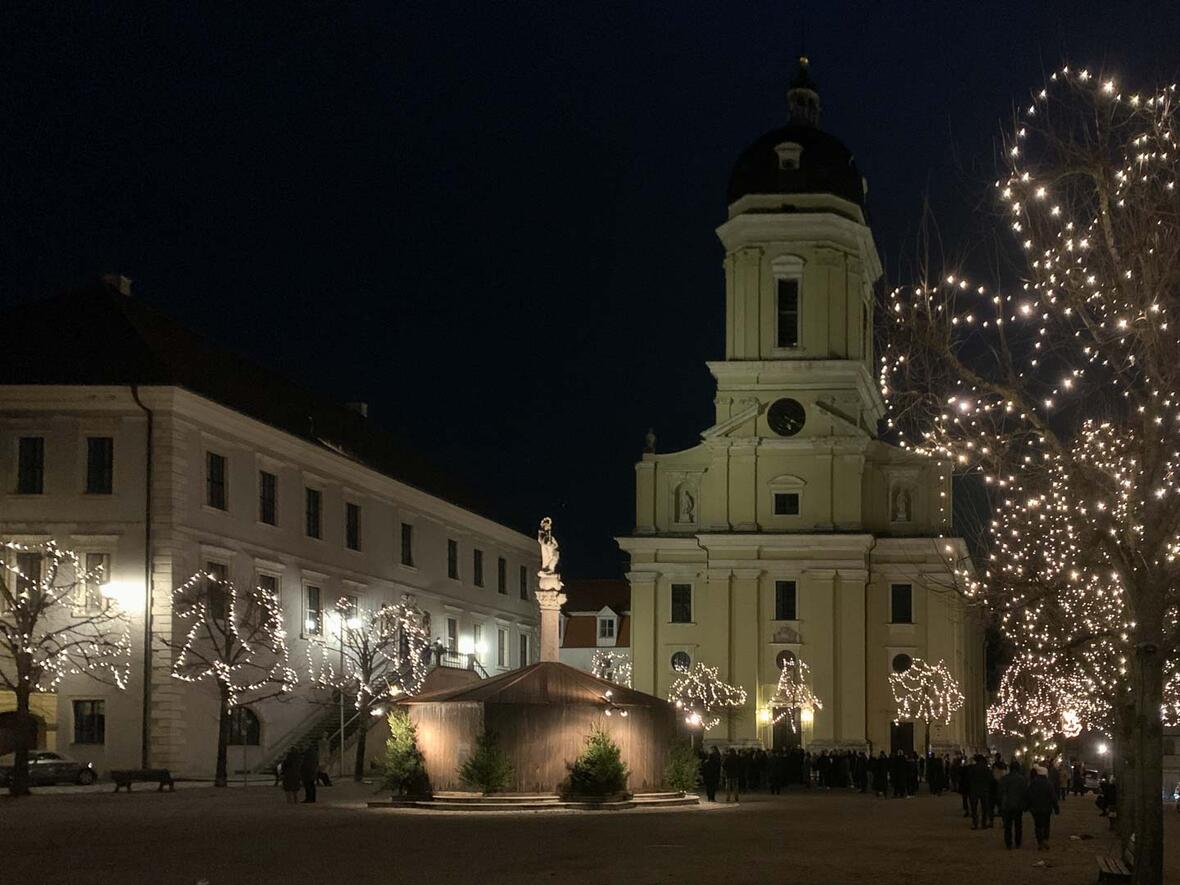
(786, 416)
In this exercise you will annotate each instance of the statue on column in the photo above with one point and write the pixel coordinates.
(550, 553)
(549, 597)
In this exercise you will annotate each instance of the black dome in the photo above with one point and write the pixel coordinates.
(825, 167)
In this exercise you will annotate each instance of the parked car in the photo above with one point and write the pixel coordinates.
(51, 768)
(1091, 780)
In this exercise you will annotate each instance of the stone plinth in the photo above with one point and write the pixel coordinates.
(550, 599)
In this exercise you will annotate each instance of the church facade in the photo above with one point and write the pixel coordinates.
(791, 531)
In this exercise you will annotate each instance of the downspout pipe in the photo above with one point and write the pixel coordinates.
(868, 581)
(146, 725)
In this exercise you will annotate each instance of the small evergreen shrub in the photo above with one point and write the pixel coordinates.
(683, 768)
(599, 771)
(405, 769)
(487, 769)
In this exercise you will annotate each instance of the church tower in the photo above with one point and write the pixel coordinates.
(791, 532)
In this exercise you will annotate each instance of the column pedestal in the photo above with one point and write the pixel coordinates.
(550, 599)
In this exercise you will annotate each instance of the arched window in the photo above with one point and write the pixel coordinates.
(244, 730)
(785, 659)
(681, 662)
(901, 663)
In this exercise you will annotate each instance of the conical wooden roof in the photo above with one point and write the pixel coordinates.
(549, 682)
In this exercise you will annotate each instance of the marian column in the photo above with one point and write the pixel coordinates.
(550, 597)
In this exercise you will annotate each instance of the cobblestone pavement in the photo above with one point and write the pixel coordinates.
(251, 836)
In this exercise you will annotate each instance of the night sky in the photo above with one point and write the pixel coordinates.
(493, 221)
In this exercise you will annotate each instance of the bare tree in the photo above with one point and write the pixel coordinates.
(1063, 395)
(234, 639)
(383, 656)
(794, 697)
(57, 619)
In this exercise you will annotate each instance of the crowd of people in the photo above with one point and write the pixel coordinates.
(989, 787)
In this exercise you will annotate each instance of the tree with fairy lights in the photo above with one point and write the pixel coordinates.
(236, 640)
(58, 618)
(926, 693)
(794, 698)
(381, 657)
(1062, 394)
(611, 666)
(704, 696)
(1036, 704)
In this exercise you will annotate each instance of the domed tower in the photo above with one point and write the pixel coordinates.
(791, 532)
(800, 267)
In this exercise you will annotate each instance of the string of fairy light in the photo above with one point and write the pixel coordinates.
(1070, 414)
(49, 629)
(926, 692)
(234, 638)
(793, 697)
(704, 697)
(383, 651)
(611, 666)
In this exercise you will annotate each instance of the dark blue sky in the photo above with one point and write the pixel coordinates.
(493, 221)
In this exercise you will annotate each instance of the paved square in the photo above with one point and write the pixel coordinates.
(251, 836)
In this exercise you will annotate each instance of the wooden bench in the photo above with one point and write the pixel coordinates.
(1115, 869)
(127, 777)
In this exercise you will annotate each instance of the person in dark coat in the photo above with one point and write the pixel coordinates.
(309, 767)
(880, 770)
(1042, 802)
(731, 767)
(934, 776)
(290, 774)
(711, 773)
(1013, 802)
(979, 785)
(899, 774)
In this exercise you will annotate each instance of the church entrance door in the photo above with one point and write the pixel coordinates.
(785, 737)
(901, 737)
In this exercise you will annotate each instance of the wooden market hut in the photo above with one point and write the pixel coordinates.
(541, 715)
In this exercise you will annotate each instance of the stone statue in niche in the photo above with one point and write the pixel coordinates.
(686, 505)
(902, 504)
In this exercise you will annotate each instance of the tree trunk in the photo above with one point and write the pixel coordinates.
(1147, 728)
(221, 777)
(24, 726)
(1124, 770)
(362, 733)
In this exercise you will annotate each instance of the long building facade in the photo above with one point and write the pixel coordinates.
(792, 532)
(157, 457)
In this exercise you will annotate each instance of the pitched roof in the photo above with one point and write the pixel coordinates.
(581, 631)
(548, 682)
(595, 594)
(96, 335)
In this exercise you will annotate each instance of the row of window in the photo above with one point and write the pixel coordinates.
(901, 603)
(316, 606)
(30, 465)
(217, 497)
(681, 661)
(90, 724)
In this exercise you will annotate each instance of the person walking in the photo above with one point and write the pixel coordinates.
(1042, 802)
(290, 774)
(731, 767)
(1013, 801)
(711, 773)
(309, 767)
(979, 784)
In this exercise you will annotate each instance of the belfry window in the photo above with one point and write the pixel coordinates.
(788, 313)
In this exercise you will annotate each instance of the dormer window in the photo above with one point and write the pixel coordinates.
(606, 628)
(789, 153)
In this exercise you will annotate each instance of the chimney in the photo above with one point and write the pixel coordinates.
(118, 282)
(359, 406)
